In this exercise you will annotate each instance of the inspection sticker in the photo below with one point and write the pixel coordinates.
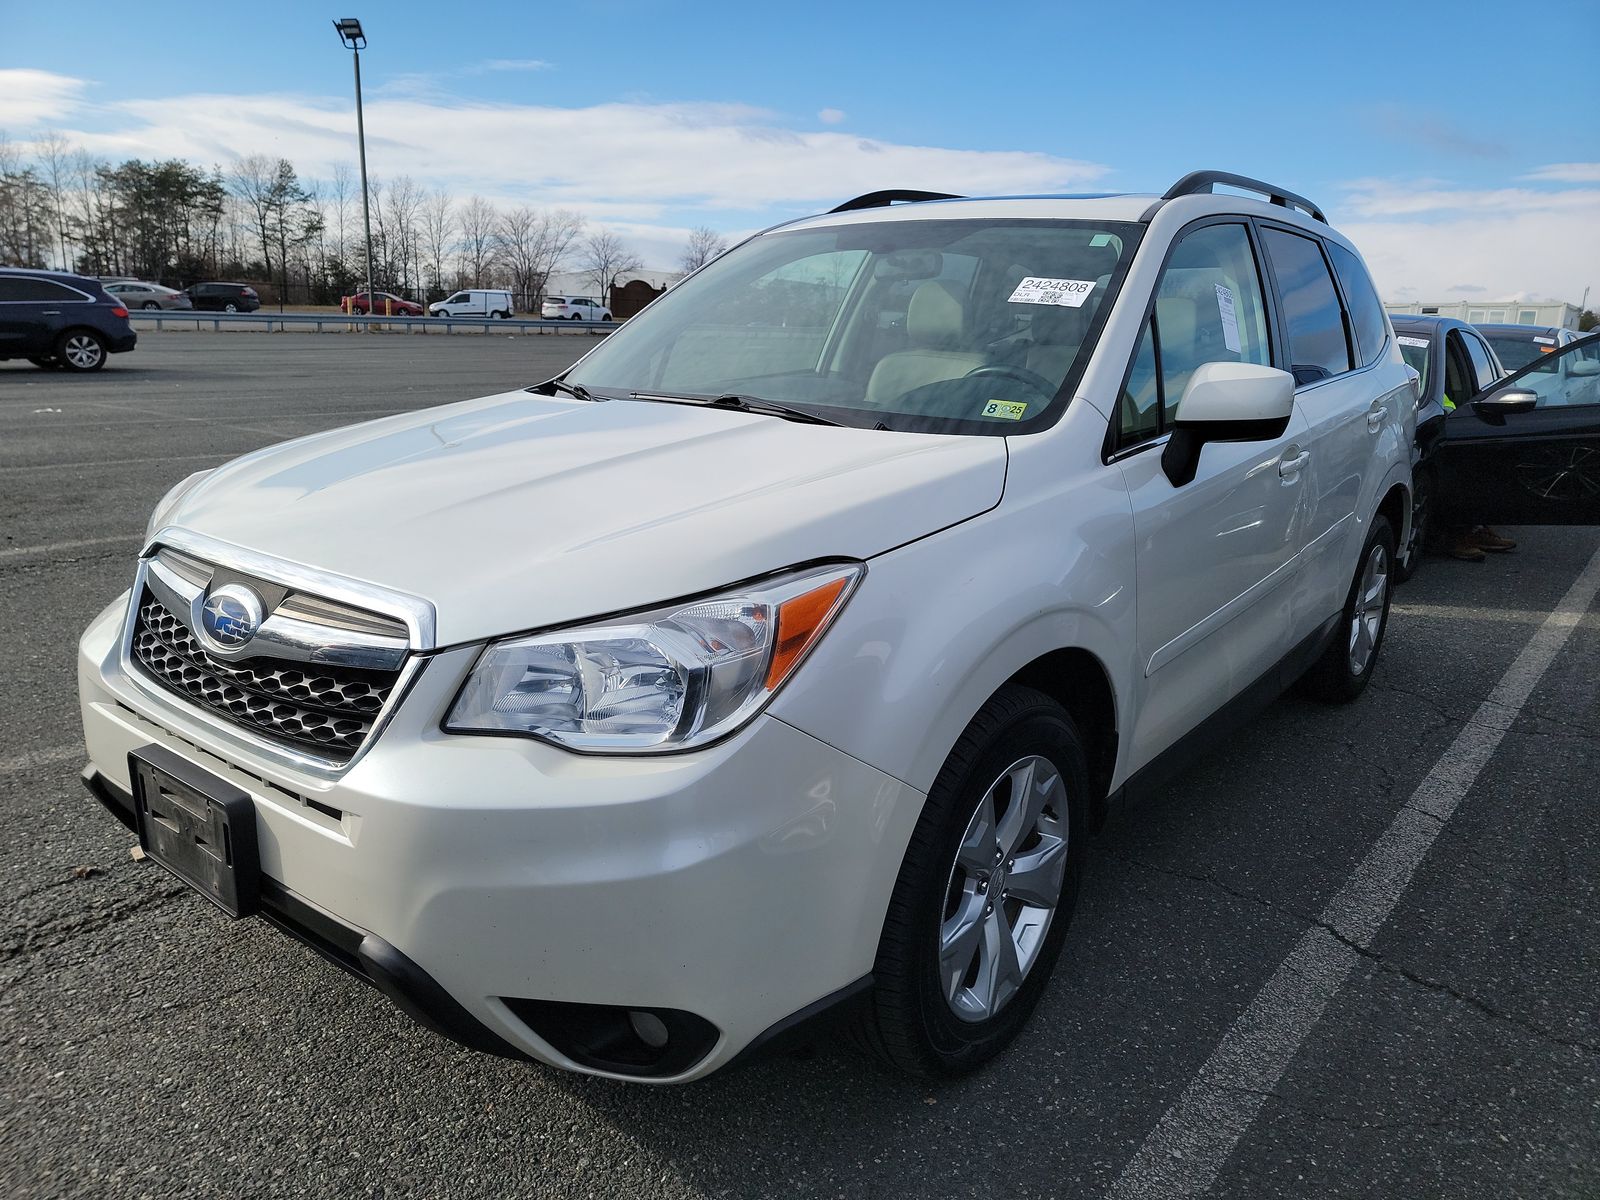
(1230, 320)
(1070, 293)
(1418, 343)
(1005, 410)
(1544, 341)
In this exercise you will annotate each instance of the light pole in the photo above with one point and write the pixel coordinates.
(350, 34)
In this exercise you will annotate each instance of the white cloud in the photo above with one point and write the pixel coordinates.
(30, 98)
(1393, 198)
(831, 116)
(705, 156)
(516, 64)
(1566, 173)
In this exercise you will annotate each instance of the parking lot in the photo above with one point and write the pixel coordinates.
(152, 1047)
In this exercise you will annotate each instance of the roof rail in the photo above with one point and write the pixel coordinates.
(1201, 182)
(885, 198)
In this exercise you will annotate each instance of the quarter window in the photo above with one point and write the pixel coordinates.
(1318, 344)
(1366, 310)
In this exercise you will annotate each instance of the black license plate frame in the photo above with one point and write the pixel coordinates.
(197, 826)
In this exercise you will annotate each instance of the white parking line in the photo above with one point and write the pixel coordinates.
(82, 544)
(1183, 1153)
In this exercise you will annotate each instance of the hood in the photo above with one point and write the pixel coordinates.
(518, 511)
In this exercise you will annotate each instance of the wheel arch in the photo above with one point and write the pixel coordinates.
(1076, 679)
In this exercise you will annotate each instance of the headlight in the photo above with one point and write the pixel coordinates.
(669, 679)
(169, 503)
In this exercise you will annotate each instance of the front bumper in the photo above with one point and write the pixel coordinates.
(741, 884)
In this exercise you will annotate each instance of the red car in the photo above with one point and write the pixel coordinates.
(384, 304)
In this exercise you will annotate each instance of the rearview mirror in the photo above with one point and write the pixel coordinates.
(1226, 402)
(1496, 408)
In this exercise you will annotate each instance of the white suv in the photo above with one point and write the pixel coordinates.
(788, 649)
(573, 308)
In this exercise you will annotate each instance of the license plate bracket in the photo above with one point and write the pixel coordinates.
(199, 827)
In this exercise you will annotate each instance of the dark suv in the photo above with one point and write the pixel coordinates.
(224, 297)
(54, 319)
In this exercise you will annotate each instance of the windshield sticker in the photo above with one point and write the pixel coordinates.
(1418, 343)
(1004, 410)
(1230, 321)
(1545, 341)
(1070, 293)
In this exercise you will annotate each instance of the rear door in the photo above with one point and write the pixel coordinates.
(1526, 449)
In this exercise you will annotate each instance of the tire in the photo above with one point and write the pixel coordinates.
(230, 307)
(81, 351)
(500, 316)
(1409, 557)
(918, 1018)
(1343, 672)
(149, 304)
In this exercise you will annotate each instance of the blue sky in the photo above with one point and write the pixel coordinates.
(1442, 131)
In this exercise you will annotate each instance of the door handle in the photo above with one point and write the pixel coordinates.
(1293, 466)
(1376, 418)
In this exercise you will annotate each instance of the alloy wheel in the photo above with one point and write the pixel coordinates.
(1367, 620)
(82, 352)
(1003, 888)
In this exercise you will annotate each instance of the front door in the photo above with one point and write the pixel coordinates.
(1214, 558)
(1526, 450)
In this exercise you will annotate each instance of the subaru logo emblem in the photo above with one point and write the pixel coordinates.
(231, 615)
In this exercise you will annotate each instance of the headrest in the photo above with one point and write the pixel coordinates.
(936, 316)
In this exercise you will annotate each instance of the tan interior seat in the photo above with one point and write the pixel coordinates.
(936, 322)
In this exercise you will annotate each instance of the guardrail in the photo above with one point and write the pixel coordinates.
(350, 321)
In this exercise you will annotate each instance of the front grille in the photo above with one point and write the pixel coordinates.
(326, 710)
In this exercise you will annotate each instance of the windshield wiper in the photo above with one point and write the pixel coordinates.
(575, 390)
(741, 403)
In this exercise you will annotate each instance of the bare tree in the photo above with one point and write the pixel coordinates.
(254, 180)
(438, 233)
(603, 258)
(477, 225)
(403, 202)
(55, 156)
(562, 229)
(704, 245)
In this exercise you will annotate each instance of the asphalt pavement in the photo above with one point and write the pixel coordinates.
(151, 1047)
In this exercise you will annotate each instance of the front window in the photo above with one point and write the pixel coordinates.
(961, 326)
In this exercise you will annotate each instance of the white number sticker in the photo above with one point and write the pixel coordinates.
(1414, 342)
(1070, 293)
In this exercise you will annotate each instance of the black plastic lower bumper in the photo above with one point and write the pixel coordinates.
(365, 955)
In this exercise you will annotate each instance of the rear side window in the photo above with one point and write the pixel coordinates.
(23, 290)
(1366, 310)
(1318, 346)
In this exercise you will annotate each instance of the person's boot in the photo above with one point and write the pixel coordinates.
(1460, 544)
(1487, 539)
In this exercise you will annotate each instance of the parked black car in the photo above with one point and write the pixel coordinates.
(1455, 364)
(224, 297)
(57, 320)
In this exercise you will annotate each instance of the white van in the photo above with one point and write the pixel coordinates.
(473, 302)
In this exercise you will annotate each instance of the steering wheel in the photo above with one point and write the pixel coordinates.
(1021, 375)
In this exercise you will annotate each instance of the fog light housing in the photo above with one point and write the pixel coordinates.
(649, 1043)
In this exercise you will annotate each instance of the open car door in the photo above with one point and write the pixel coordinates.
(1526, 449)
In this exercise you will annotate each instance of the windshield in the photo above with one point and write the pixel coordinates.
(1414, 350)
(1517, 352)
(960, 326)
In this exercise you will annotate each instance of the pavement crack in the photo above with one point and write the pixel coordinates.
(1379, 961)
(51, 935)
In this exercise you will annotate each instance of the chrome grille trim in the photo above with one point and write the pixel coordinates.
(333, 647)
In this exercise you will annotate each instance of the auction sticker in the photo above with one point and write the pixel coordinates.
(1005, 410)
(1415, 342)
(1070, 293)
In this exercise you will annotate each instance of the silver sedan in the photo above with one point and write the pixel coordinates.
(138, 294)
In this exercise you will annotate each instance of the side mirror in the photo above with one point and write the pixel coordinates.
(1496, 408)
(1226, 402)
(1582, 367)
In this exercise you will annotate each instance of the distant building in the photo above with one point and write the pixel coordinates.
(577, 283)
(1557, 314)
